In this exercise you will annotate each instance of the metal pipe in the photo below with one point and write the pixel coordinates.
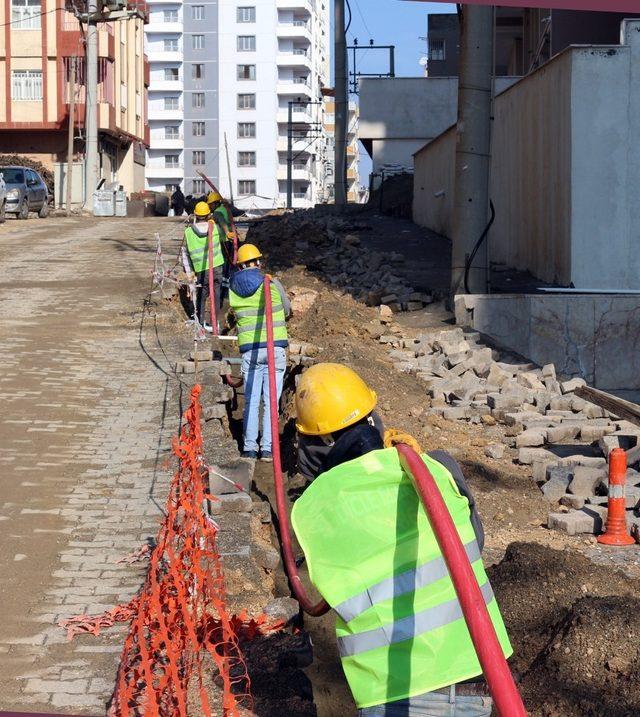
(485, 641)
(321, 607)
(212, 293)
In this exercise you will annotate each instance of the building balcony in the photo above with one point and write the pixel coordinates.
(295, 5)
(162, 56)
(163, 27)
(294, 30)
(294, 59)
(297, 117)
(165, 86)
(106, 44)
(162, 172)
(162, 114)
(166, 143)
(299, 145)
(294, 87)
(298, 172)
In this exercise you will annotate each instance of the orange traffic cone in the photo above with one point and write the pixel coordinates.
(616, 532)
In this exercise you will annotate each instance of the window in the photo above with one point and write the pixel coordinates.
(25, 14)
(26, 85)
(170, 15)
(170, 74)
(197, 71)
(436, 49)
(246, 72)
(197, 42)
(246, 43)
(197, 187)
(197, 12)
(171, 44)
(171, 187)
(171, 103)
(246, 129)
(171, 132)
(246, 186)
(198, 157)
(198, 129)
(246, 159)
(197, 100)
(171, 161)
(246, 102)
(246, 14)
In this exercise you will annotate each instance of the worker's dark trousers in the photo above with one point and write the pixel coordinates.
(203, 293)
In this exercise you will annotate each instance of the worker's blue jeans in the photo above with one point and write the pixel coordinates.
(256, 390)
(433, 704)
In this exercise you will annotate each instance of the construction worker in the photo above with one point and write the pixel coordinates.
(196, 236)
(372, 554)
(247, 301)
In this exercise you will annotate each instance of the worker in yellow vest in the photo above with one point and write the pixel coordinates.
(403, 641)
(247, 302)
(196, 237)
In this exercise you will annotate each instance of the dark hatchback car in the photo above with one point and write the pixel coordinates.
(26, 192)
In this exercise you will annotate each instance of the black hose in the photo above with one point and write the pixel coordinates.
(472, 256)
(346, 30)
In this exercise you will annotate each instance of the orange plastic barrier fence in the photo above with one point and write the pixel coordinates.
(180, 627)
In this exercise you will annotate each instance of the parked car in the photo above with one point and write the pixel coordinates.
(3, 197)
(26, 192)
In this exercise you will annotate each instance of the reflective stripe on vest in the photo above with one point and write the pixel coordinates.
(407, 627)
(197, 246)
(406, 582)
(372, 555)
(250, 315)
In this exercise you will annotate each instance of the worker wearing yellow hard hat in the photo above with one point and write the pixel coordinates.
(371, 552)
(196, 237)
(247, 302)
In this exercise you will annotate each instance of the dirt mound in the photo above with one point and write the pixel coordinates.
(574, 628)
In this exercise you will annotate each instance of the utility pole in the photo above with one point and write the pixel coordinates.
(91, 122)
(290, 155)
(72, 108)
(341, 105)
(473, 148)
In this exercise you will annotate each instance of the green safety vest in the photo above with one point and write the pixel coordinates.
(374, 558)
(223, 216)
(197, 246)
(250, 317)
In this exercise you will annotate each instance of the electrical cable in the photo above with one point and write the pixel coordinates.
(472, 256)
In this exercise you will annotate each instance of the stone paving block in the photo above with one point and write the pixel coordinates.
(555, 488)
(585, 481)
(531, 437)
(589, 519)
(494, 450)
(562, 433)
(240, 471)
(572, 384)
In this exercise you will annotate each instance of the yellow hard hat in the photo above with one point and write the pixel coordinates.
(330, 397)
(248, 252)
(213, 197)
(202, 209)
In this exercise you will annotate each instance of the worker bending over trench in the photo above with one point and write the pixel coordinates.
(372, 554)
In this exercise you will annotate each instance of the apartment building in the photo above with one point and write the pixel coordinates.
(222, 78)
(353, 149)
(39, 39)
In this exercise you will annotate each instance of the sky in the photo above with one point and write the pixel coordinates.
(390, 22)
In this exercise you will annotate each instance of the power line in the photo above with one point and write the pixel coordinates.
(364, 22)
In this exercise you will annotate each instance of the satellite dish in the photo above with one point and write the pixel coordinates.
(423, 61)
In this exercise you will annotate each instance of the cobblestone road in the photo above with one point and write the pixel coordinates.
(85, 429)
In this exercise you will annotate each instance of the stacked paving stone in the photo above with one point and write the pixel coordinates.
(565, 439)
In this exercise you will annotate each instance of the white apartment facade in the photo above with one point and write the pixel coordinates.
(222, 76)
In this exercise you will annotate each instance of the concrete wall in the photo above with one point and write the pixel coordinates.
(399, 115)
(565, 170)
(595, 336)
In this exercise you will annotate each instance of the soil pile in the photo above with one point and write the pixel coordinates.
(575, 629)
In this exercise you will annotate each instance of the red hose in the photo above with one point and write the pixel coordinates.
(319, 608)
(494, 665)
(212, 293)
